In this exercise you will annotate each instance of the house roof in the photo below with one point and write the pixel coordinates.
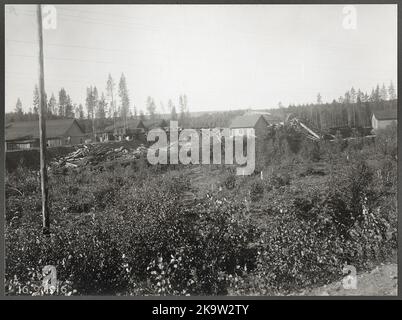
(150, 124)
(389, 114)
(131, 124)
(257, 111)
(21, 130)
(246, 121)
(270, 118)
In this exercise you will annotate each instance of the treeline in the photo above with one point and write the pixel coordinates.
(353, 110)
(214, 120)
(114, 104)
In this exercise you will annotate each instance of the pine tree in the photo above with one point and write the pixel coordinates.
(52, 105)
(63, 102)
(80, 111)
(377, 95)
(383, 93)
(366, 97)
(101, 110)
(319, 99)
(124, 99)
(89, 103)
(372, 96)
(135, 113)
(95, 97)
(151, 107)
(347, 97)
(353, 97)
(391, 91)
(92, 104)
(69, 108)
(18, 107)
(110, 94)
(184, 113)
(359, 95)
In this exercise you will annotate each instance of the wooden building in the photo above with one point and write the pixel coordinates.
(383, 118)
(60, 132)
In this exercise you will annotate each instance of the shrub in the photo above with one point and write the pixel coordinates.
(14, 210)
(149, 244)
(310, 171)
(137, 236)
(256, 190)
(305, 247)
(208, 238)
(311, 150)
(85, 255)
(386, 141)
(294, 140)
(312, 234)
(230, 181)
(388, 173)
(278, 180)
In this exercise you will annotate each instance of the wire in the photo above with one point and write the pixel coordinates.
(124, 24)
(84, 47)
(88, 20)
(86, 13)
(74, 60)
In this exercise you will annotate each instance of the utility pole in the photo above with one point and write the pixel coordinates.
(114, 113)
(42, 129)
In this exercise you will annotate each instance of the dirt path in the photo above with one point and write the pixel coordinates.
(381, 281)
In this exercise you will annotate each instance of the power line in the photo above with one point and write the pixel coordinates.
(124, 24)
(83, 47)
(88, 20)
(86, 13)
(97, 13)
(75, 60)
(32, 77)
(121, 24)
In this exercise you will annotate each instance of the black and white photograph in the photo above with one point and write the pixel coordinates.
(187, 150)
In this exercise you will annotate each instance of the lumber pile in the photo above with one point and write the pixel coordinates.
(95, 154)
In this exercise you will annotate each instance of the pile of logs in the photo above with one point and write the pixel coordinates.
(94, 154)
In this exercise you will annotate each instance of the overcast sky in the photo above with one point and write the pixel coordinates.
(221, 57)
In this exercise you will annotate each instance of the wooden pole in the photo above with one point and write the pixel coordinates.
(42, 130)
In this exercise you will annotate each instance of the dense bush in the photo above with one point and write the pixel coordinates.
(311, 171)
(308, 242)
(230, 181)
(311, 150)
(84, 253)
(278, 180)
(206, 238)
(256, 190)
(308, 252)
(131, 244)
(129, 230)
(386, 141)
